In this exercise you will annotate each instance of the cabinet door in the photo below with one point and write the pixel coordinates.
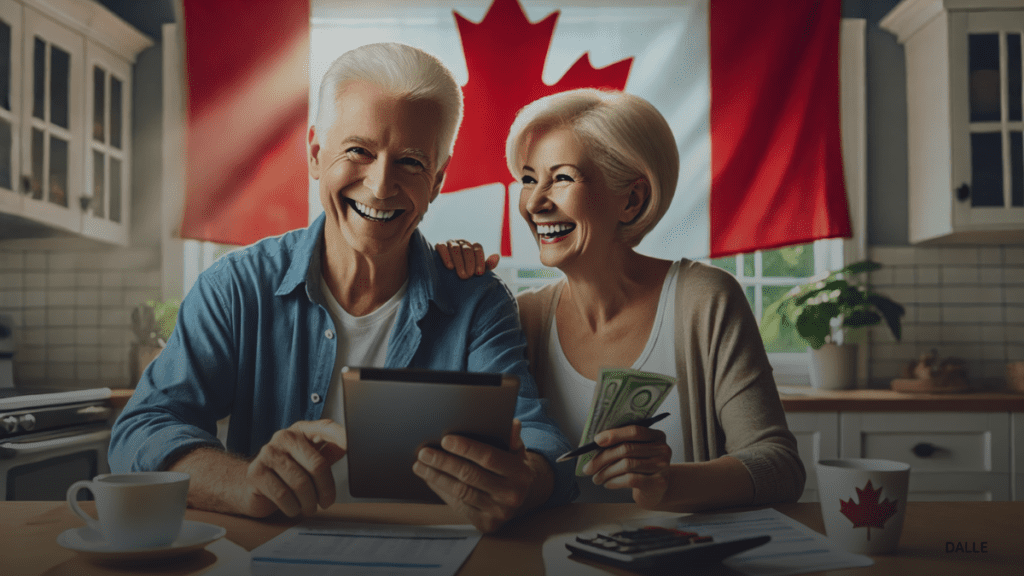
(52, 121)
(817, 438)
(10, 104)
(953, 456)
(986, 94)
(105, 202)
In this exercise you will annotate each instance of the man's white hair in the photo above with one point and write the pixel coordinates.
(624, 135)
(404, 72)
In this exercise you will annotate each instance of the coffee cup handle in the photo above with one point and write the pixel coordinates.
(72, 498)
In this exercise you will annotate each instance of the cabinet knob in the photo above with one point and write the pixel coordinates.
(26, 185)
(924, 450)
(85, 201)
(963, 192)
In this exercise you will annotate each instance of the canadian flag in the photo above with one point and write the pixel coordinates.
(750, 89)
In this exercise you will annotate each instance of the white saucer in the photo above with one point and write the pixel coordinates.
(90, 543)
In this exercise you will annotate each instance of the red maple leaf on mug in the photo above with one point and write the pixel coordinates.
(505, 57)
(870, 513)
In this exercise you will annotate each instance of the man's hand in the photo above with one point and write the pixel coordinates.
(485, 484)
(465, 258)
(292, 472)
(634, 457)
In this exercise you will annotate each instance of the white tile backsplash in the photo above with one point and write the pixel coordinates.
(72, 312)
(966, 302)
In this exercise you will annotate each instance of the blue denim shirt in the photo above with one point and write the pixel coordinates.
(252, 342)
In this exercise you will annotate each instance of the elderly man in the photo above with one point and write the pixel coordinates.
(265, 331)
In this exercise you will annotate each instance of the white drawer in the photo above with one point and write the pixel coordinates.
(930, 441)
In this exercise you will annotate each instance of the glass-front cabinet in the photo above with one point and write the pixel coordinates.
(965, 132)
(65, 86)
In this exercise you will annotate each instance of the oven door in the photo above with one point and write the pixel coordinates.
(43, 467)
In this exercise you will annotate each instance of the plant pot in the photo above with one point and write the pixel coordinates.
(833, 367)
(139, 358)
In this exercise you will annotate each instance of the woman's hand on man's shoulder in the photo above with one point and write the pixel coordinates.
(466, 259)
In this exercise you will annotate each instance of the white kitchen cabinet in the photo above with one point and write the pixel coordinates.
(964, 118)
(953, 456)
(817, 438)
(65, 111)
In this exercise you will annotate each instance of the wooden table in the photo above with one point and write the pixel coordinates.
(28, 532)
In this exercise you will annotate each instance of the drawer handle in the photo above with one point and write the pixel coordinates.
(924, 450)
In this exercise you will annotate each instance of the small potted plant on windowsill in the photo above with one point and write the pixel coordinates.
(823, 311)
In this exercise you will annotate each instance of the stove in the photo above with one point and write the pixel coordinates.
(25, 414)
(50, 439)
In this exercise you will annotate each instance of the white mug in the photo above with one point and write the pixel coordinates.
(136, 510)
(863, 502)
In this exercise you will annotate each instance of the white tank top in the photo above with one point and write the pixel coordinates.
(569, 393)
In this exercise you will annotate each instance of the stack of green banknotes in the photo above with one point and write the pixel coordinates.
(621, 396)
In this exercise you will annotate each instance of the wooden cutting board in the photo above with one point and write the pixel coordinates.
(929, 385)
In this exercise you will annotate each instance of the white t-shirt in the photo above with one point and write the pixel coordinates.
(362, 341)
(570, 393)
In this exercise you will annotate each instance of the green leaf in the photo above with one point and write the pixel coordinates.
(891, 311)
(861, 318)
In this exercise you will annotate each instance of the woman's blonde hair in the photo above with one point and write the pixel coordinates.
(624, 135)
(405, 72)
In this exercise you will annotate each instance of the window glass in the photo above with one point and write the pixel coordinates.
(58, 171)
(37, 164)
(115, 190)
(99, 106)
(984, 69)
(98, 178)
(789, 262)
(116, 89)
(1016, 169)
(1013, 77)
(60, 86)
(39, 78)
(987, 169)
(5, 65)
(6, 155)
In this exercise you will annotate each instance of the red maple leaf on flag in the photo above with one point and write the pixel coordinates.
(505, 57)
(869, 513)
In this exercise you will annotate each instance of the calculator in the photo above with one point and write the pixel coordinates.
(657, 548)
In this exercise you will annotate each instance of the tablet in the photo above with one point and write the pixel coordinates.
(391, 413)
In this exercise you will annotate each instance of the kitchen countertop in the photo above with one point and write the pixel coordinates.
(798, 399)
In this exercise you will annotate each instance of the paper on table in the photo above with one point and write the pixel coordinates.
(321, 546)
(794, 548)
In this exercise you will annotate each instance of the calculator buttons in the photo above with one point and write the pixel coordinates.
(655, 546)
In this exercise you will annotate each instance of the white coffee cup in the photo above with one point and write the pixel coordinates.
(863, 502)
(136, 510)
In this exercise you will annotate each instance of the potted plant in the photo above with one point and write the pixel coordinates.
(152, 323)
(823, 311)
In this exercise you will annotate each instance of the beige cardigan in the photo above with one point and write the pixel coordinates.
(725, 381)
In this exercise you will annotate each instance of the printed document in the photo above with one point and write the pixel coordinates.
(321, 547)
(793, 549)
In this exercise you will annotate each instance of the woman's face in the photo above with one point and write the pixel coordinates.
(572, 213)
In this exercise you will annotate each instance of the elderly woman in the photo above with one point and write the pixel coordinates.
(598, 171)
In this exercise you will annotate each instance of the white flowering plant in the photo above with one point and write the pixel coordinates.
(823, 310)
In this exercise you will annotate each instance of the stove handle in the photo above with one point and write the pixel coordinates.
(10, 450)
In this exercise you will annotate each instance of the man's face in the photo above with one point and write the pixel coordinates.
(376, 161)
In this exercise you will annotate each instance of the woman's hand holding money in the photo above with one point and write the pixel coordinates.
(633, 457)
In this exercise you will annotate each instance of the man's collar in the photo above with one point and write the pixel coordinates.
(424, 274)
(307, 249)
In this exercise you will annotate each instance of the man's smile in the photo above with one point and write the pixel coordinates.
(373, 214)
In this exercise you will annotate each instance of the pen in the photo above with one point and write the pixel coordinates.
(645, 422)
